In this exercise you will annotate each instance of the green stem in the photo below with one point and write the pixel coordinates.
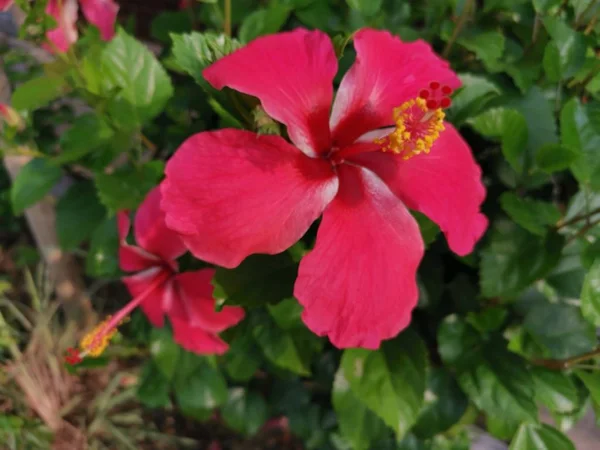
(578, 219)
(562, 364)
(462, 20)
(227, 18)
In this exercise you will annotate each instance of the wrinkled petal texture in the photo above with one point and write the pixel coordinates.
(153, 304)
(131, 257)
(445, 185)
(197, 340)
(102, 14)
(151, 232)
(65, 14)
(387, 72)
(196, 297)
(358, 286)
(232, 193)
(5, 4)
(291, 74)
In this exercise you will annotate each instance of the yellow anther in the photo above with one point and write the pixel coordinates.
(95, 342)
(417, 129)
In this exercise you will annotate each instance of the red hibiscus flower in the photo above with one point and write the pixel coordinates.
(101, 13)
(5, 4)
(231, 193)
(157, 287)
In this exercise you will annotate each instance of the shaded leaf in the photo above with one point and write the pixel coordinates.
(38, 92)
(533, 215)
(540, 437)
(32, 183)
(102, 258)
(245, 411)
(590, 295)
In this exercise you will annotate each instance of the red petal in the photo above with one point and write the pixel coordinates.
(358, 285)
(197, 340)
(153, 305)
(64, 13)
(231, 193)
(5, 4)
(196, 297)
(292, 75)
(103, 14)
(445, 185)
(387, 72)
(151, 232)
(132, 258)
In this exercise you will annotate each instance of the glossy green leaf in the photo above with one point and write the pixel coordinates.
(168, 22)
(153, 387)
(263, 21)
(580, 131)
(476, 93)
(287, 313)
(556, 390)
(445, 404)
(243, 358)
(245, 411)
(87, 134)
(165, 351)
(358, 425)
(391, 380)
(38, 92)
(590, 295)
(258, 280)
(102, 258)
(32, 183)
(540, 437)
(365, 7)
(591, 380)
(126, 188)
(496, 380)
(570, 45)
(487, 45)
(535, 216)
(142, 85)
(555, 157)
(78, 214)
(515, 258)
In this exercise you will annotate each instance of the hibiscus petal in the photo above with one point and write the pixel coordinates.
(292, 75)
(194, 339)
(64, 13)
(132, 258)
(387, 72)
(103, 14)
(231, 193)
(5, 5)
(445, 185)
(196, 296)
(151, 232)
(153, 305)
(358, 285)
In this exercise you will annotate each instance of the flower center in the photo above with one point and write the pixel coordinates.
(419, 122)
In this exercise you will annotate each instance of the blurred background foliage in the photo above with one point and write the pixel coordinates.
(501, 339)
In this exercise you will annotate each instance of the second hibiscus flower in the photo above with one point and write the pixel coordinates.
(232, 193)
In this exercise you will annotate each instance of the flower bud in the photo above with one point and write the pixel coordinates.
(11, 117)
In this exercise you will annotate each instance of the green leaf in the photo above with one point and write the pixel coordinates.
(102, 258)
(510, 127)
(32, 183)
(195, 51)
(552, 63)
(153, 387)
(488, 320)
(445, 404)
(142, 84)
(199, 388)
(567, 277)
(88, 133)
(556, 390)
(78, 214)
(487, 45)
(555, 157)
(540, 437)
(559, 327)
(38, 92)
(165, 351)
(496, 380)
(358, 425)
(287, 314)
(168, 22)
(429, 229)
(533, 215)
(515, 258)
(590, 253)
(391, 380)
(243, 358)
(571, 45)
(127, 187)
(476, 93)
(590, 295)
(580, 132)
(367, 8)
(245, 411)
(263, 21)
(290, 350)
(591, 380)
(259, 279)
(543, 6)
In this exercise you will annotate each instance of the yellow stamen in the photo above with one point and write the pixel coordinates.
(417, 128)
(95, 342)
